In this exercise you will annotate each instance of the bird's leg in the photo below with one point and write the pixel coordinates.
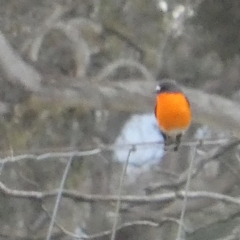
(178, 140)
(167, 141)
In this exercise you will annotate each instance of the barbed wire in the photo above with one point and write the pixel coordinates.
(131, 199)
(67, 152)
(182, 179)
(225, 145)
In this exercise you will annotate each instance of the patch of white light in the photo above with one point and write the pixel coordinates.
(140, 129)
(80, 233)
(178, 11)
(163, 6)
(178, 19)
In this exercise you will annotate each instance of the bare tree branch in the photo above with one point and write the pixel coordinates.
(127, 39)
(117, 210)
(235, 234)
(64, 152)
(138, 96)
(58, 198)
(129, 63)
(72, 29)
(82, 197)
(72, 151)
(79, 46)
(34, 43)
(223, 220)
(15, 69)
(10, 234)
(184, 204)
(50, 155)
(215, 153)
(133, 96)
(108, 232)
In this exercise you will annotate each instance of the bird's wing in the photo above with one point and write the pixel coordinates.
(187, 101)
(155, 110)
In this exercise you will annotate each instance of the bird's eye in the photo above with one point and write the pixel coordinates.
(158, 88)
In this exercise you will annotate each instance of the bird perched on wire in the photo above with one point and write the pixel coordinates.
(173, 112)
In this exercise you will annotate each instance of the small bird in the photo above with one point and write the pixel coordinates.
(172, 111)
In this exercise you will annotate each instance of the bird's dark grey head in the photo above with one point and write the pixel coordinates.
(167, 86)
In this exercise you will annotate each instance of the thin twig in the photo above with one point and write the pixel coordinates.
(173, 220)
(107, 233)
(179, 233)
(127, 40)
(1, 168)
(50, 155)
(223, 220)
(34, 42)
(16, 70)
(114, 228)
(212, 155)
(73, 235)
(133, 199)
(72, 151)
(112, 67)
(166, 172)
(58, 198)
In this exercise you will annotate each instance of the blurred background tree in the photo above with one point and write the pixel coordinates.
(72, 42)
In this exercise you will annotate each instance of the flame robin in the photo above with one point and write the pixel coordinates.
(173, 112)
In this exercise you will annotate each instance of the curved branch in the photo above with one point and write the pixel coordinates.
(112, 67)
(72, 29)
(82, 197)
(133, 96)
(123, 37)
(15, 69)
(33, 44)
(138, 96)
(212, 155)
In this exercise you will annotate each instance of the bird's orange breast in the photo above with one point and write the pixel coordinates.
(173, 112)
